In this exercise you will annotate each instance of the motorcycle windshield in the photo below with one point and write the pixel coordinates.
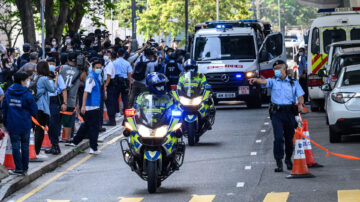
(190, 87)
(153, 111)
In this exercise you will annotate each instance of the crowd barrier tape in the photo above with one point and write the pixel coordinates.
(328, 153)
(45, 128)
(71, 113)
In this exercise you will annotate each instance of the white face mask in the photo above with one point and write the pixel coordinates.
(27, 83)
(106, 58)
(68, 41)
(301, 53)
(160, 88)
(53, 43)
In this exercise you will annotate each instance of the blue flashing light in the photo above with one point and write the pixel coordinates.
(247, 21)
(176, 113)
(220, 26)
(238, 76)
(326, 10)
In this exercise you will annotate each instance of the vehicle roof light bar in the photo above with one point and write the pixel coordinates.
(345, 9)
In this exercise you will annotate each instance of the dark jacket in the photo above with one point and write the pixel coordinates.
(18, 107)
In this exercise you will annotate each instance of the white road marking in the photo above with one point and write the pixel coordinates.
(266, 123)
(268, 117)
(263, 131)
(253, 153)
(247, 167)
(240, 184)
(258, 141)
(230, 194)
(84, 199)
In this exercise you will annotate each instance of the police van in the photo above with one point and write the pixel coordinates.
(338, 24)
(231, 52)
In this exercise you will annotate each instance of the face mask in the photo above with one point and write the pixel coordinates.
(8, 65)
(98, 71)
(278, 73)
(53, 43)
(68, 41)
(27, 84)
(52, 68)
(160, 88)
(301, 53)
(106, 58)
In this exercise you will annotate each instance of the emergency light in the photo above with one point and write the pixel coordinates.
(223, 26)
(176, 113)
(173, 87)
(238, 76)
(330, 10)
(247, 21)
(130, 112)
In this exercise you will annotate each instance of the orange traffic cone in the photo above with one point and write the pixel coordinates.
(32, 153)
(105, 114)
(310, 161)
(46, 141)
(9, 159)
(300, 169)
(63, 136)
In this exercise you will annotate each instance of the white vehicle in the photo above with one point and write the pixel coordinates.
(230, 52)
(343, 104)
(334, 26)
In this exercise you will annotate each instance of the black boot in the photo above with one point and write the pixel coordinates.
(57, 150)
(288, 163)
(279, 166)
(51, 150)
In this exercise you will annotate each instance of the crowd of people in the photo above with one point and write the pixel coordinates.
(74, 79)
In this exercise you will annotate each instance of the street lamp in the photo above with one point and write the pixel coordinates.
(42, 29)
(279, 16)
(186, 23)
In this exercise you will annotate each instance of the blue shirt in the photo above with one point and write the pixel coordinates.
(44, 87)
(122, 67)
(1, 91)
(282, 92)
(302, 65)
(59, 87)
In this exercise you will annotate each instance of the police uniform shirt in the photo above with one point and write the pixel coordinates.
(89, 85)
(149, 68)
(60, 86)
(122, 67)
(282, 92)
(109, 70)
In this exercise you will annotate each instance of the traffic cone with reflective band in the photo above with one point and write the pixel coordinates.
(46, 141)
(9, 159)
(63, 136)
(310, 161)
(105, 114)
(300, 169)
(32, 153)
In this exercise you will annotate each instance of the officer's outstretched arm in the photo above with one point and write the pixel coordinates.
(258, 81)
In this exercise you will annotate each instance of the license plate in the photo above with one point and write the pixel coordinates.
(225, 95)
(244, 90)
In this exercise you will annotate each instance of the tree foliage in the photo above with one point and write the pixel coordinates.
(9, 22)
(168, 16)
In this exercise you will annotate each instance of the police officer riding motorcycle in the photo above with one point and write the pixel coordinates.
(154, 148)
(195, 99)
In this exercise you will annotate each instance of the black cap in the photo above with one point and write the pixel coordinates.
(72, 57)
(279, 62)
(26, 47)
(95, 60)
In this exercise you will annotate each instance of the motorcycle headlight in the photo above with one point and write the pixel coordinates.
(190, 102)
(128, 126)
(144, 131)
(176, 127)
(161, 132)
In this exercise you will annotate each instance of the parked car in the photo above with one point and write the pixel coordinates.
(343, 104)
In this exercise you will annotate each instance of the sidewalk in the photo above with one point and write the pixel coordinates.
(13, 183)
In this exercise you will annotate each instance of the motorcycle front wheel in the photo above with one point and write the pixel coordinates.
(191, 130)
(152, 180)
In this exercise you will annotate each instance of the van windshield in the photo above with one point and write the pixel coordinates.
(224, 48)
(332, 36)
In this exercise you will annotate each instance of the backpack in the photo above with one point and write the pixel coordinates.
(33, 89)
(172, 72)
(140, 69)
(22, 61)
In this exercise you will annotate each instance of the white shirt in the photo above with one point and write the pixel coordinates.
(149, 68)
(109, 70)
(89, 85)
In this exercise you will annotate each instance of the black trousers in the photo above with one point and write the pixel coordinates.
(124, 92)
(111, 102)
(304, 85)
(55, 123)
(89, 128)
(283, 125)
(43, 120)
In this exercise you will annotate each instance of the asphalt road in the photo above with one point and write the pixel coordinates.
(233, 162)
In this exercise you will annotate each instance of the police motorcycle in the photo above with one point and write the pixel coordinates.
(154, 148)
(195, 99)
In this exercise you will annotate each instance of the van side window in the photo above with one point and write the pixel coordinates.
(274, 46)
(315, 41)
(355, 34)
(332, 36)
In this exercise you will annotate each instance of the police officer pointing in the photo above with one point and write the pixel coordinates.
(284, 93)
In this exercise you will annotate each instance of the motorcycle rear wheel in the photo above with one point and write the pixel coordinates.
(152, 180)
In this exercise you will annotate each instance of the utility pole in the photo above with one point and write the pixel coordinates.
(186, 23)
(112, 24)
(253, 9)
(279, 16)
(217, 10)
(133, 17)
(42, 29)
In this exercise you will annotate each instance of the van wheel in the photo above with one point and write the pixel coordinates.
(335, 137)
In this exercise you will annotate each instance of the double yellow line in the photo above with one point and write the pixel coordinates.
(83, 160)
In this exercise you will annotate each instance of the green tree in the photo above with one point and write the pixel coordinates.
(168, 16)
(9, 22)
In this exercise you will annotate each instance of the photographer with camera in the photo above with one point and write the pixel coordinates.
(67, 47)
(72, 75)
(57, 100)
